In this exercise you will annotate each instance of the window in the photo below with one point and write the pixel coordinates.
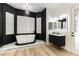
(9, 23)
(25, 24)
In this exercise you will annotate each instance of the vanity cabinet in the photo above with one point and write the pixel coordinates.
(57, 40)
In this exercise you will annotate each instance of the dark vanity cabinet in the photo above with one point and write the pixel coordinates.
(57, 40)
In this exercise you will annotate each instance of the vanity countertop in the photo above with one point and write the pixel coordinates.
(58, 34)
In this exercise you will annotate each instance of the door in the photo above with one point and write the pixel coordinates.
(75, 30)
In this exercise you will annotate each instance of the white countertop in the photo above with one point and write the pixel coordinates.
(58, 34)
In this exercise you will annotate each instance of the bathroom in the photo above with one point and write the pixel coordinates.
(20, 27)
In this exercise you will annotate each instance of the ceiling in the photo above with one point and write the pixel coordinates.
(37, 7)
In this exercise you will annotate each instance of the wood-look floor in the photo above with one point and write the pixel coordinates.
(39, 50)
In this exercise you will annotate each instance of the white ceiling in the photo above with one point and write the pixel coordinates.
(37, 7)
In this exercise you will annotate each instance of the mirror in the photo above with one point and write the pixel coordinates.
(62, 24)
(59, 23)
(52, 25)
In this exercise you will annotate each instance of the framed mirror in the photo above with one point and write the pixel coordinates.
(62, 24)
(59, 25)
(50, 26)
(54, 25)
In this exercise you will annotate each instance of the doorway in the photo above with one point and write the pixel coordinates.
(75, 30)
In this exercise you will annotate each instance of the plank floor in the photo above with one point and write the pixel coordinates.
(39, 50)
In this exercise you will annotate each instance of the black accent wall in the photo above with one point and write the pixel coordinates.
(6, 39)
(42, 36)
(1, 26)
(44, 24)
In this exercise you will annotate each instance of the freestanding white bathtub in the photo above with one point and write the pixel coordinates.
(22, 39)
